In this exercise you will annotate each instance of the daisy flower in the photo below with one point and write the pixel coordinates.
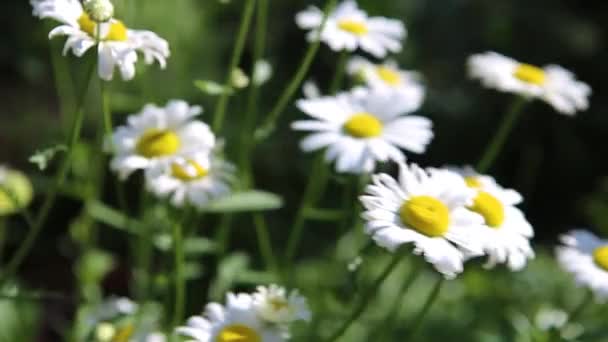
(118, 45)
(552, 83)
(426, 208)
(236, 321)
(586, 257)
(349, 28)
(275, 305)
(193, 180)
(507, 230)
(157, 135)
(389, 76)
(362, 127)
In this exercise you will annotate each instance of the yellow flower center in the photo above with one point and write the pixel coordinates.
(426, 214)
(363, 125)
(600, 257)
(530, 74)
(388, 75)
(238, 333)
(117, 31)
(473, 182)
(157, 143)
(180, 171)
(124, 334)
(490, 208)
(355, 27)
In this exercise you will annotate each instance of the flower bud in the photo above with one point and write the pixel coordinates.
(239, 79)
(100, 11)
(15, 191)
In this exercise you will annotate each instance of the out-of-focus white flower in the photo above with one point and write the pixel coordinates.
(194, 180)
(117, 45)
(547, 319)
(427, 208)
(362, 127)
(388, 76)
(552, 83)
(275, 305)
(238, 320)
(585, 256)
(156, 136)
(262, 72)
(507, 230)
(349, 28)
(311, 90)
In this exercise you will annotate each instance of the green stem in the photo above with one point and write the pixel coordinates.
(59, 179)
(340, 70)
(264, 244)
(180, 280)
(366, 298)
(269, 123)
(577, 310)
(3, 228)
(499, 139)
(414, 327)
(314, 188)
(220, 110)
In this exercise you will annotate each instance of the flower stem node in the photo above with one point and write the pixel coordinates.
(99, 11)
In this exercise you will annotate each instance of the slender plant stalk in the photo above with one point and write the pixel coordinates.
(577, 310)
(180, 280)
(3, 228)
(314, 188)
(340, 70)
(415, 326)
(264, 243)
(59, 179)
(220, 109)
(497, 143)
(269, 123)
(367, 296)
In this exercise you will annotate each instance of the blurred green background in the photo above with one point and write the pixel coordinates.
(557, 163)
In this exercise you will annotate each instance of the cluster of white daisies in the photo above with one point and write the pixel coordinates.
(448, 215)
(266, 315)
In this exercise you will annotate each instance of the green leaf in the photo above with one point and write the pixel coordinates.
(42, 158)
(212, 88)
(253, 200)
(229, 270)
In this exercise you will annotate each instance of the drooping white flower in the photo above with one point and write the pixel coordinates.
(275, 305)
(585, 256)
(426, 208)
(552, 83)
(349, 28)
(388, 76)
(238, 320)
(118, 45)
(362, 127)
(156, 136)
(507, 232)
(191, 179)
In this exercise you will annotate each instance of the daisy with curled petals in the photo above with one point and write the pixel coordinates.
(388, 76)
(585, 256)
(507, 232)
(236, 321)
(155, 136)
(426, 208)
(362, 127)
(275, 305)
(117, 46)
(552, 83)
(191, 180)
(348, 28)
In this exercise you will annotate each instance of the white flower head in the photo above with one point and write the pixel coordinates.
(191, 179)
(349, 28)
(585, 256)
(275, 305)
(118, 45)
(362, 127)
(156, 136)
(237, 321)
(388, 76)
(426, 208)
(552, 83)
(507, 231)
